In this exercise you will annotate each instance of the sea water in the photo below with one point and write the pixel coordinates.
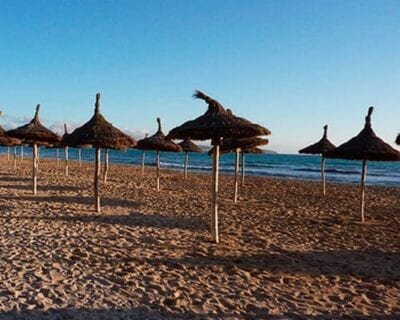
(286, 166)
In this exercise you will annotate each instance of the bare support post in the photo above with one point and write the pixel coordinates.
(106, 165)
(96, 179)
(185, 169)
(34, 168)
(143, 159)
(66, 161)
(80, 157)
(158, 170)
(363, 177)
(236, 184)
(214, 208)
(323, 175)
(15, 157)
(242, 168)
(58, 156)
(8, 153)
(22, 152)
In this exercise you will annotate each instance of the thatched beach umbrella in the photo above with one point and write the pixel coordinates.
(365, 146)
(158, 142)
(99, 133)
(34, 134)
(321, 147)
(215, 124)
(188, 146)
(236, 145)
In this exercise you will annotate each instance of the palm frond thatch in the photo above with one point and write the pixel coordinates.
(158, 142)
(6, 140)
(321, 147)
(187, 145)
(365, 146)
(99, 133)
(34, 132)
(216, 123)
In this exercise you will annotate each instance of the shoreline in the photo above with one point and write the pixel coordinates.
(206, 172)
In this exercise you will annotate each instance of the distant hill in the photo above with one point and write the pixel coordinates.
(207, 148)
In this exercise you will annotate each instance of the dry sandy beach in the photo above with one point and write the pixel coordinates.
(285, 253)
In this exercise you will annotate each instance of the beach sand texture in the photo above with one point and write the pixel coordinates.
(286, 251)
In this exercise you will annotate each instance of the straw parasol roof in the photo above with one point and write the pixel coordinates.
(34, 132)
(398, 139)
(321, 147)
(216, 123)
(158, 142)
(99, 133)
(188, 146)
(7, 141)
(365, 146)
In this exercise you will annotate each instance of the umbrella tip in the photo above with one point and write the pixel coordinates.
(325, 130)
(159, 124)
(368, 117)
(36, 117)
(97, 104)
(65, 128)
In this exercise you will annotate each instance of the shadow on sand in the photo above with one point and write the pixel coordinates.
(366, 265)
(134, 219)
(75, 199)
(48, 187)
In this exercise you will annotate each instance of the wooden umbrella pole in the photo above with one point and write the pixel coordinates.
(37, 158)
(57, 156)
(34, 168)
(96, 180)
(185, 169)
(22, 153)
(235, 193)
(158, 170)
(80, 157)
(242, 168)
(8, 153)
(323, 174)
(66, 161)
(15, 157)
(363, 177)
(143, 158)
(214, 208)
(106, 165)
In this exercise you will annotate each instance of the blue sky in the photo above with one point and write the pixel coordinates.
(292, 66)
